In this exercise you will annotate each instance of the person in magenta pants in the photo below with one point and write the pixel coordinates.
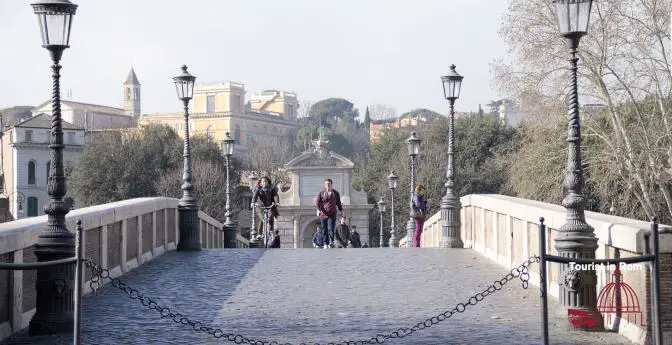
(420, 208)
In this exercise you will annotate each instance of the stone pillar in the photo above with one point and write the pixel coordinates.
(298, 241)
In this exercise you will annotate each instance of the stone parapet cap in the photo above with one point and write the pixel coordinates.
(618, 232)
(23, 233)
(212, 221)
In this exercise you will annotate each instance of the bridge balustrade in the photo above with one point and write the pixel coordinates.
(506, 230)
(119, 235)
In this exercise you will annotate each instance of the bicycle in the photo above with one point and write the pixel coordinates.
(265, 218)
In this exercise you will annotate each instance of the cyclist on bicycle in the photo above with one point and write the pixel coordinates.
(268, 195)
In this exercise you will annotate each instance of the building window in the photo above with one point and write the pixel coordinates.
(210, 106)
(235, 103)
(29, 136)
(236, 133)
(48, 169)
(32, 206)
(70, 138)
(128, 94)
(31, 172)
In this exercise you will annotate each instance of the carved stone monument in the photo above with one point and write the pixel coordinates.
(297, 220)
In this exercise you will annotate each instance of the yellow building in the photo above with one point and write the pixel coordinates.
(220, 107)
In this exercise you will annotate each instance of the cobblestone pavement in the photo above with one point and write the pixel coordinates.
(318, 295)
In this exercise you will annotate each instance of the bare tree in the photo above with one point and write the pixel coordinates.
(269, 161)
(624, 65)
(382, 112)
(304, 108)
(209, 186)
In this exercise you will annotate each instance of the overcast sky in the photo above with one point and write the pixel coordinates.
(389, 52)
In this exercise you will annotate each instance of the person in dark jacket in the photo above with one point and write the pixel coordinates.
(420, 210)
(343, 234)
(354, 238)
(328, 203)
(268, 195)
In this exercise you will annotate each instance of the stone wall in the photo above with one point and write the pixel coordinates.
(506, 230)
(119, 236)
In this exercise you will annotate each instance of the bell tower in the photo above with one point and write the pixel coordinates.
(132, 95)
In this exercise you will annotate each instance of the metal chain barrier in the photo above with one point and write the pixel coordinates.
(98, 274)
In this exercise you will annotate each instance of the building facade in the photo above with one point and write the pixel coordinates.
(220, 107)
(26, 160)
(298, 219)
(275, 102)
(96, 117)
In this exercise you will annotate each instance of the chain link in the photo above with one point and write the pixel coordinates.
(98, 274)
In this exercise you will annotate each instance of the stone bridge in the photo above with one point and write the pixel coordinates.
(326, 295)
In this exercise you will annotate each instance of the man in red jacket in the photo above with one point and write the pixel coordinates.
(328, 204)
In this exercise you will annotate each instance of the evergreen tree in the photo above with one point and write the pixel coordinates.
(367, 118)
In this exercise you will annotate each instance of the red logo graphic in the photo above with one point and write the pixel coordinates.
(582, 318)
(616, 299)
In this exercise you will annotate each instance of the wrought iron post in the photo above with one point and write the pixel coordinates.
(381, 210)
(450, 203)
(392, 184)
(413, 147)
(394, 242)
(410, 225)
(254, 241)
(54, 285)
(229, 225)
(576, 239)
(187, 207)
(381, 242)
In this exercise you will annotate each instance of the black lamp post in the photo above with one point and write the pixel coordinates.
(229, 225)
(252, 182)
(576, 239)
(187, 207)
(392, 184)
(450, 203)
(54, 309)
(413, 147)
(381, 209)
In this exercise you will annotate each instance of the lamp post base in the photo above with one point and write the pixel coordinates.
(54, 305)
(410, 232)
(230, 235)
(578, 287)
(254, 241)
(450, 223)
(394, 242)
(190, 233)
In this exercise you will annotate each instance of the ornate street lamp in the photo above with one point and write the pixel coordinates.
(229, 225)
(54, 309)
(381, 209)
(252, 183)
(187, 207)
(450, 203)
(576, 239)
(413, 147)
(392, 184)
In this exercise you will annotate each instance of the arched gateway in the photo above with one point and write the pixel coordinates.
(308, 171)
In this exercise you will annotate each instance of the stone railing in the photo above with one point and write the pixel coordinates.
(506, 230)
(119, 236)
